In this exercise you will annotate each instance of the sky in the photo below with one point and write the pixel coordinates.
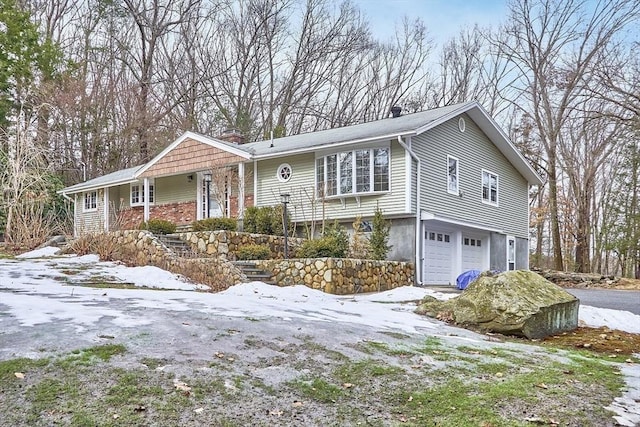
(443, 18)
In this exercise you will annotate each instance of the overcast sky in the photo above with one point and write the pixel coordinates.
(443, 18)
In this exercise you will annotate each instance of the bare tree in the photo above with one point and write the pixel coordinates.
(555, 45)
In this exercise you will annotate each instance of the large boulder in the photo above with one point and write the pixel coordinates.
(514, 303)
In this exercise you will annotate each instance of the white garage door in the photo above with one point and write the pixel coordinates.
(438, 258)
(473, 253)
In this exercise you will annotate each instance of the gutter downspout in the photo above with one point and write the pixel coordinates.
(418, 260)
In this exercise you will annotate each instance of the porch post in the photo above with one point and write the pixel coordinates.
(106, 209)
(146, 199)
(240, 190)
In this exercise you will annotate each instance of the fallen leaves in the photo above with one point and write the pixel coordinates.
(181, 386)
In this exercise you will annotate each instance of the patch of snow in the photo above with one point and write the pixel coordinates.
(153, 277)
(47, 251)
(612, 319)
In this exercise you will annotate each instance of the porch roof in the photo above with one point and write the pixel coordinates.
(120, 177)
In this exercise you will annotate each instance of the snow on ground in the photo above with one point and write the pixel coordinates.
(43, 289)
(40, 253)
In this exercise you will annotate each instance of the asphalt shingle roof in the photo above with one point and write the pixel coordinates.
(391, 126)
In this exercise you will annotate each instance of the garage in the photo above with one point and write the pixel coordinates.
(438, 257)
(473, 253)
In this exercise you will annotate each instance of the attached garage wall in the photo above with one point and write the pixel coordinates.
(498, 260)
(522, 254)
(402, 237)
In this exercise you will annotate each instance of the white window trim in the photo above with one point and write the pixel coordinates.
(141, 185)
(512, 239)
(84, 201)
(354, 193)
(457, 190)
(279, 172)
(489, 202)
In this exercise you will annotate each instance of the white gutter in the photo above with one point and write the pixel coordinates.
(63, 194)
(418, 260)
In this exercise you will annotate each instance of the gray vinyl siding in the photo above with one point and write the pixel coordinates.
(474, 152)
(301, 187)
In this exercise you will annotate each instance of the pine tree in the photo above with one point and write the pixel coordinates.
(379, 240)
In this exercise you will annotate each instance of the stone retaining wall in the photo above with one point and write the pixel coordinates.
(226, 243)
(340, 276)
(140, 247)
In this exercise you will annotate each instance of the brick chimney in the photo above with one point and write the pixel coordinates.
(232, 135)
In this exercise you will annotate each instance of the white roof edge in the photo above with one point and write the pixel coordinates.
(335, 145)
(196, 137)
(82, 189)
(520, 162)
(529, 173)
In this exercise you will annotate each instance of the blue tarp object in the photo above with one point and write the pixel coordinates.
(467, 277)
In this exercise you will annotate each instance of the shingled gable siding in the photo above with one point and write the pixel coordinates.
(191, 156)
(301, 187)
(475, 152)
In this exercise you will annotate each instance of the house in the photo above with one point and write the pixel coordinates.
(452, 184)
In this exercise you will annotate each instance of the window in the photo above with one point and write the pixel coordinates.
(452, 175)
(511, 253)
(90, 201)
(353, 172)
(137, 193)
(471, 242)
(489, 187)
(284, 172)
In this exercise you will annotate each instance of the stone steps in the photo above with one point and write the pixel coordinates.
(178, 246)
(253, 273)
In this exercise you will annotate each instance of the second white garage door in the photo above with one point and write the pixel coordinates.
(438, 258)
(473, 253)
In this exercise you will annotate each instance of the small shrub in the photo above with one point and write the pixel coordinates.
(213, 224)
(158, 226)
(264, 220)
(379, 239)
(248, 252)
(322, 248)
(337, 232)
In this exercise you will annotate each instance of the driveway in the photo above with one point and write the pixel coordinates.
(607, 298)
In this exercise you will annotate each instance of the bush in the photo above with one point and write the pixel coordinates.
(213, 224)
(379, 239)
(323, 247)
(264, 220)
(341, 237)
(248, 252)
(158, 226)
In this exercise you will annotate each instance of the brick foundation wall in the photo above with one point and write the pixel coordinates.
(179, 213)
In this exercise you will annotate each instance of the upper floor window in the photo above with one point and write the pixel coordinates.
(137, 193)
(489, 187)
(90, 201)
(284, 172)
(452, 175)
(353, 172)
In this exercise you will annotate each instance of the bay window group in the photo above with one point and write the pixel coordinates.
(353, 172)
